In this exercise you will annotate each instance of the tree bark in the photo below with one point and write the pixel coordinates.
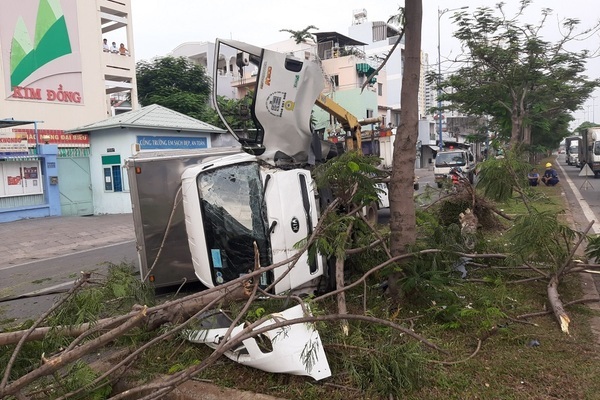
(557, 306)
(173, 312)
(402, 207)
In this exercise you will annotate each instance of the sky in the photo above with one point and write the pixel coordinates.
(159, 26)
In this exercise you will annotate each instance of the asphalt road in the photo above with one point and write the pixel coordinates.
(53, 275)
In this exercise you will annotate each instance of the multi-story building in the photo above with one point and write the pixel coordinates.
(57, 75)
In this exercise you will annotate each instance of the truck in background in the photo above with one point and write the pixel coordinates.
(589, 151)
(572, 144)
(454, 157)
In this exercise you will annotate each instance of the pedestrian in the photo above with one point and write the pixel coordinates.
(113, 48)
(105, 47)
(534, 177)
(122, 50)
(550, 177)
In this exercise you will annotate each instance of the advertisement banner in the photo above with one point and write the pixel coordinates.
(39, 40)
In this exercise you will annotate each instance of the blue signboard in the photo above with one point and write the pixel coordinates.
(171, 142)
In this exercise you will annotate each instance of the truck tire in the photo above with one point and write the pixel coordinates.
(439, 185)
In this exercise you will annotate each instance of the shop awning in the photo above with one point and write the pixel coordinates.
(364, 69)
(10, 122)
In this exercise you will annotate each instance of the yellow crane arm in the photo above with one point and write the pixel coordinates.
(350, 123)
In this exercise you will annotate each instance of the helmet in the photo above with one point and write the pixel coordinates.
(548, 165)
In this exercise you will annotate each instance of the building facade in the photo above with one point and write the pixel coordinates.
(149, 128)
(57, 74)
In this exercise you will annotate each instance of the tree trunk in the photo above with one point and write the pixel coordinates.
(173, 312)
(402, 207)
(557, 306)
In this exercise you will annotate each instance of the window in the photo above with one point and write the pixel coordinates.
(113, 181)
(113, 176)
(379, 89)
(234, 218)
(335, 81)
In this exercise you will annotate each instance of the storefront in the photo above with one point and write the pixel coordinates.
(28, 174)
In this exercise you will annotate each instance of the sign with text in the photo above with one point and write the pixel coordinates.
(39, 51)
(171, 142)
(51, 136)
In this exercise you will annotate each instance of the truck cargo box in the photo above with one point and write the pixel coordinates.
(154, 181)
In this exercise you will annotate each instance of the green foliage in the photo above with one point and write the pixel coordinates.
(235, 112)
(175, 83)
(351, 176)
(592, 250)
(393, 372)
(450, 210)
(510, 65)
(301, 36)
(498, 178)
(121, 290)
(29, 357)
(425, 279)
(77, 375)
(540, 236)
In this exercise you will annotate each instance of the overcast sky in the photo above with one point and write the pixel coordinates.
(161, 25)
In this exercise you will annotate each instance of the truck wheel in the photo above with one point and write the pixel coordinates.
(439, 185)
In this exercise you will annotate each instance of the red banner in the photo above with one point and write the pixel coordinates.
(54, 136)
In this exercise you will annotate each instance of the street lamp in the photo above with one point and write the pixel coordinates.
(439, 91)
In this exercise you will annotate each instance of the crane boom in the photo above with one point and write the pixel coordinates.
(349, 122)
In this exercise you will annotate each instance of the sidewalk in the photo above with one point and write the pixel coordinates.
(33, 239)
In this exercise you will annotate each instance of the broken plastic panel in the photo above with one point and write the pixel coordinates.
(293, 349)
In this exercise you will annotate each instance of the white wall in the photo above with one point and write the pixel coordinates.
(121, 140)
(109, 202)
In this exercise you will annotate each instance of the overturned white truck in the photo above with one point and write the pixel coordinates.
(198, 213)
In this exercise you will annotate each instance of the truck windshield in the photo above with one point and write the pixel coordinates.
(597, 148)
(443, 159)
(234, 217)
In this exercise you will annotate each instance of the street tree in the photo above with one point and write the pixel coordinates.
(526, 84)
(175, 83)
(402, 206)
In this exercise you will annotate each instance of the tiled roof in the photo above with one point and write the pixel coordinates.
(152, 116)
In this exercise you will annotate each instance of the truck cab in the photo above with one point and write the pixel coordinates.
(572, 145)
(450, 158)
(238, 202)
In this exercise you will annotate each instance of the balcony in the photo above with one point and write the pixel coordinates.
(118, 71)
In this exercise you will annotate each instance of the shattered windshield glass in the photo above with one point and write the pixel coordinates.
(449, 159)
(234, 216)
